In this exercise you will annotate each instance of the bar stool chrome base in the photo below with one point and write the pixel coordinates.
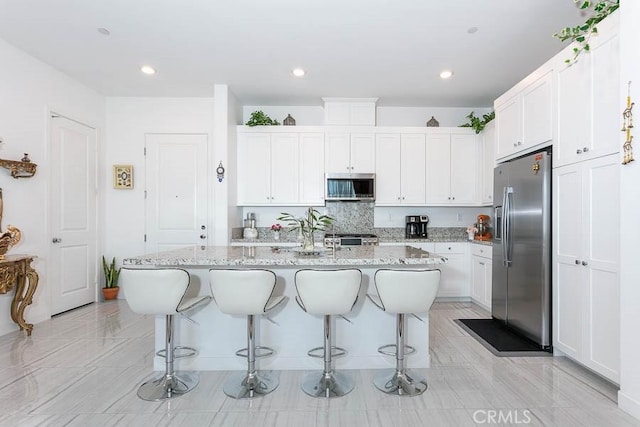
(248, 386)
(400, 383)
(332, 384)
(168, 386)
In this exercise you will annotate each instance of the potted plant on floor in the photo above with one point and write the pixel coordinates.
(111, 275)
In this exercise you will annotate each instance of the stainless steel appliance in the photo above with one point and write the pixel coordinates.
(416, 226)
(349, 239)
(350, 186)
(521, 287)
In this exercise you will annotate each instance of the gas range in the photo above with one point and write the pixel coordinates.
(349, 239)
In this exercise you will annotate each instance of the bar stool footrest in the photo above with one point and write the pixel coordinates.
(318, 352)
(178, 352)
(260, 352)
(407, 350)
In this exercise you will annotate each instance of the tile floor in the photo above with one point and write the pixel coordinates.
(82, 368)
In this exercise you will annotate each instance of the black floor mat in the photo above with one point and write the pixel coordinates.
(500, 340)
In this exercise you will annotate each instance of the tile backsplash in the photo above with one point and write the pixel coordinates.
(351, 217)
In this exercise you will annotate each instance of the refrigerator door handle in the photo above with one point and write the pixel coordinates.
(506, 221)
(503, 237)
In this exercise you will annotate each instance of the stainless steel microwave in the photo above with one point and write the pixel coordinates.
(350, 186)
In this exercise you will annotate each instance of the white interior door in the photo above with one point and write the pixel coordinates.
(73, 214)
(176, 191)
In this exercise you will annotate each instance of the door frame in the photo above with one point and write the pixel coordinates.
(49, 113)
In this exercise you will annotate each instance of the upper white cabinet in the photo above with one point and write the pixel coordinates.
(452, 169)
(586, 297)
(350, 111)
(524, 116)
(400, 169)
(488, 163)
(349, 152)
(589, 105)
(311, 168)
(280, 168)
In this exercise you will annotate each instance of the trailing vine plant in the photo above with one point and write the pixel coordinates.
(581, 34)
(478, 123)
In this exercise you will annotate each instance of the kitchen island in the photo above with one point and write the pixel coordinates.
(289, 330)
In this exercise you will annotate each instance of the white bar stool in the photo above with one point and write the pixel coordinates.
(163, 292)
(401, 292)
(327, 293)
(247, 292)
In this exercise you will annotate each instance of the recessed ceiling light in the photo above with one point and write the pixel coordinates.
(104, 31)
(147, 69)
(446, 74)
(472, 30)
(298, 72)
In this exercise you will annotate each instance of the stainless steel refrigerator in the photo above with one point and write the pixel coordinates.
(521, 290)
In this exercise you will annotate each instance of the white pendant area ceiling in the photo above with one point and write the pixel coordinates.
(390, 49)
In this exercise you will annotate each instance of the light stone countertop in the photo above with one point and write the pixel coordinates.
(274, 256)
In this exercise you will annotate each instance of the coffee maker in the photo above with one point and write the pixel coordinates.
(416, 226)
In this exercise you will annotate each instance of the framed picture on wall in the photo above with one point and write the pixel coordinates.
(123, 177)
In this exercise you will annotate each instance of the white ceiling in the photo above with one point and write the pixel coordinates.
(391, 49)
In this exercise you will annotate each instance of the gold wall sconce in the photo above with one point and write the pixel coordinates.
(20, 169)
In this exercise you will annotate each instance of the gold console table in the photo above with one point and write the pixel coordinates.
(15, 270)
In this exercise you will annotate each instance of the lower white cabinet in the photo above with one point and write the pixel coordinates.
(454, 281)
(586, 296)
(481, 274)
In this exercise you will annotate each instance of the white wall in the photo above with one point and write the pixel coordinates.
(629, 395)
(127, 122)
(29, 89)
(386, 116)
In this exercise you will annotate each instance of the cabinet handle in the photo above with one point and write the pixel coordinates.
(519, 142)
(585, 149)
(453, 198)
(481, 263)
(515, 145)
(578, 151)
(585, 263)
(403, 198)
(577, 262)
(56, 240)
(449, 198)
(398, 198)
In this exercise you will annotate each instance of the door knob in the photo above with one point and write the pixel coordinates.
(585, 149)
(578, 151)
(577, 262)
(585, 263)
(56, 240)
(203, 236)
(203, 227)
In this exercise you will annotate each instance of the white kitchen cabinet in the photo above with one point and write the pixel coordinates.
(280, 168)
(400, 169)
(481, 274)
(452, 169)
(347, 152)
(589, 103)
(350, 111)
(488, 163)
(454, 281)
(311, 169)
(585, 264)
(524, 116)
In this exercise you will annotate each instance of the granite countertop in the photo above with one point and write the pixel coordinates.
(275, 256)
(482, 242)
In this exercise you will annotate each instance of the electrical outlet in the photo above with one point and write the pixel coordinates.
(459, 217)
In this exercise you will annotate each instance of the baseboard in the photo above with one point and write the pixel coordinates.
(629, 405)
